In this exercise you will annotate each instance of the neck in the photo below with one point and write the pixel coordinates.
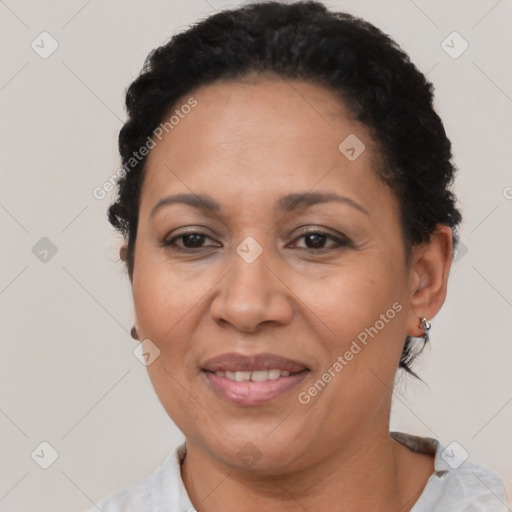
(372, 472)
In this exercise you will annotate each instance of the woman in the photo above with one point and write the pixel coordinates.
(289, 233)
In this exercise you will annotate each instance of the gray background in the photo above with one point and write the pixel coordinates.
(68, 374)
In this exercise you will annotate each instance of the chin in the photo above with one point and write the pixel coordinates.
(255, 450)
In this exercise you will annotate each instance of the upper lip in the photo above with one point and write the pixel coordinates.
(241, 362)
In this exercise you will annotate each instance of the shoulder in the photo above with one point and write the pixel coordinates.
(149, 494)
(136, 497)
(457, 484)
(468, 487)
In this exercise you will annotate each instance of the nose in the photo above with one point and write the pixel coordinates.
(252, 293)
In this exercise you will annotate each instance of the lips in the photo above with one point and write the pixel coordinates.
(234, 362)
(251, 380)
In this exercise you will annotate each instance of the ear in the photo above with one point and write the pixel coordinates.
(123, 254)
(123, 251)
(430, 267)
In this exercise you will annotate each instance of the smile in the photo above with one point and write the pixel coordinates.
(252, 380)
(254, 376)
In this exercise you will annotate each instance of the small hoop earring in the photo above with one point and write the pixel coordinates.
(133, 333)
(425, 325)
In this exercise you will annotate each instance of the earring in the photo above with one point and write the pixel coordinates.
(425, 325)
(133, 333)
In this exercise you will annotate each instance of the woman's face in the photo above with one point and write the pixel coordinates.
(252, 295)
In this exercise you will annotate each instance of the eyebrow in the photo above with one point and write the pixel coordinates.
(288, 203)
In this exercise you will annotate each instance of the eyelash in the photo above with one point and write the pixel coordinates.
(340, 241)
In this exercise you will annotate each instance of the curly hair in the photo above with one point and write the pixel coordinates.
(359, 63)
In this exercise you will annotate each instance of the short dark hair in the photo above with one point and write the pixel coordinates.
(359, 63)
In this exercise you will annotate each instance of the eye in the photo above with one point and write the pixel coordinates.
(315, 240)
(190, 241)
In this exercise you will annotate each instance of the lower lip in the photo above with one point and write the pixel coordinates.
(249, 393)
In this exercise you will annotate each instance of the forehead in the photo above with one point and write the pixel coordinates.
(259, 136)
(254, 111)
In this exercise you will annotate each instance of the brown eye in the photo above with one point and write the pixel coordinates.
(189, 241)
(193, 240)
(316, 240)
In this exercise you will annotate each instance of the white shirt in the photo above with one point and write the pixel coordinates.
(454, 486)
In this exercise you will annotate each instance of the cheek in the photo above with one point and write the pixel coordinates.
(162, 301)
(156, 301)
(365, 312)
(163, 292)
(351, 300)
(164, 305)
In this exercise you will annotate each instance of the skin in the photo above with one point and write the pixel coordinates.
(246, 144)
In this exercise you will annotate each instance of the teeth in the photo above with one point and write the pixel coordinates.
(242, 376)
(274, 374)
(259, 376)
(254, 376)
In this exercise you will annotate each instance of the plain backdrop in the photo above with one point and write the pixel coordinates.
(68, 374)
